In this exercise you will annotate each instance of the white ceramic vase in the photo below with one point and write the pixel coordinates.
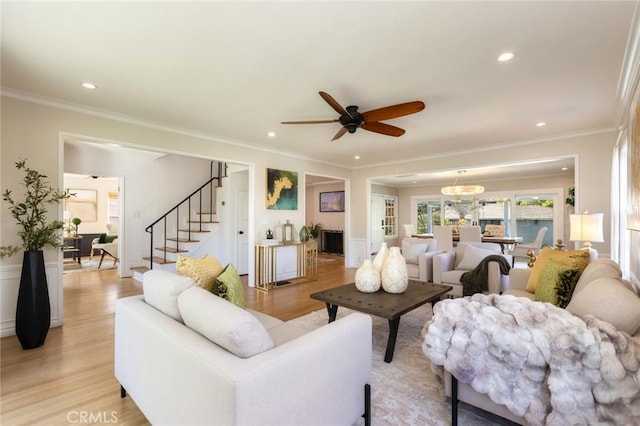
(367, 277)
(394, 272)
(379, 259)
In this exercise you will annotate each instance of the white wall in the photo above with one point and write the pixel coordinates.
(36, 131)
(102, 187)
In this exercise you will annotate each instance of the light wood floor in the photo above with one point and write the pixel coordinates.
(70, 379)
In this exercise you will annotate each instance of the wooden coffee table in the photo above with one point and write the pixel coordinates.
(382, 304)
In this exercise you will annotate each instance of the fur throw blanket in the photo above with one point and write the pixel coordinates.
(477, 280)
(540, 361)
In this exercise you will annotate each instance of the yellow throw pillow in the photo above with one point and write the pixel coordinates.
(578, 259)
(203, 271)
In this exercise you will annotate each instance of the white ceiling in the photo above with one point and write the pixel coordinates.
(234, 70)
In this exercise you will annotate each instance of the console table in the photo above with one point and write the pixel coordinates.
(266, 263)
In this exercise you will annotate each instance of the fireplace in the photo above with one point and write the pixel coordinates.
(331, 242)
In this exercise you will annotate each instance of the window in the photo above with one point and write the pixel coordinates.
(533, 212)
(113, 207)
(390, 227)
(428, 214)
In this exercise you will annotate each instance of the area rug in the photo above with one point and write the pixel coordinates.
(92, 265)
(405, 391)
(320, 260)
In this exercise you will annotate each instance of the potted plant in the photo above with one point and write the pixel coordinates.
(76, 221)
(33, 312)
(314, 230)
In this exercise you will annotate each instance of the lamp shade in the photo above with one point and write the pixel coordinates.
(586, 227)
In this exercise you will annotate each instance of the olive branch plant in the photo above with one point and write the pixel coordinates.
(31, 214)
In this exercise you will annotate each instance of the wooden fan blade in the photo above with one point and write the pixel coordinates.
(334, 104)
(393, 111)
(310, 121)
(385, 129)
(340, 133)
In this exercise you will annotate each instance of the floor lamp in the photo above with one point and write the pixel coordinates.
(587, 228)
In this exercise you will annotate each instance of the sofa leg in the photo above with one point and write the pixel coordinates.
(367, 405)
(454, 401)
(123, 392)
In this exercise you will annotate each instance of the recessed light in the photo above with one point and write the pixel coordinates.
(506, 56)
(357, 157)
(271, 134)
(564, 168)
(541, 124)
(88, 85)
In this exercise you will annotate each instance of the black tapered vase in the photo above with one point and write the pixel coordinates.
(33, 313)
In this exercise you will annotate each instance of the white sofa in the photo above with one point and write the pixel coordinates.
(600, 291)
(290, 376)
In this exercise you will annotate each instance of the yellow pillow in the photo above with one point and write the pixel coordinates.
(203, 271)
(575, 258)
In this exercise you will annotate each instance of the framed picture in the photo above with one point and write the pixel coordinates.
(282, 190)
(332, 201)
(633, 215)
(83, 204)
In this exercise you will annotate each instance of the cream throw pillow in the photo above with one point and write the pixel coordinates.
(410, 251)
(204, 271)
(472, 257)
(161, 290)
(223, 323)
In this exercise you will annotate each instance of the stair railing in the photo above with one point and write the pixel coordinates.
(220, 172)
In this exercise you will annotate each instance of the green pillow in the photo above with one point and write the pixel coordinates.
(556, 283)
(103, 238)
(229, 287)
(110, 238)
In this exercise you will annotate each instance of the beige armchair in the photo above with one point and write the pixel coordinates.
(111, 250)
(520, 251)
(97, 246)
(448, 267)
(418, 253)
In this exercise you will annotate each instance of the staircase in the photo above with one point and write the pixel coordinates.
(185, 226)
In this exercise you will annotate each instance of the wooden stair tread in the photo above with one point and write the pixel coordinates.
(193, 230)
(141, 269)
(159, 260)
(201, 213)
(203, 221)
(183, 240)
(171, 250)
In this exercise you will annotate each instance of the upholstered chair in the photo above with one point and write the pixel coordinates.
(418, 253)
(520, 251)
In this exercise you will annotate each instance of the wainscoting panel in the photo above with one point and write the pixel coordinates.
(9, 284)
(357, 252)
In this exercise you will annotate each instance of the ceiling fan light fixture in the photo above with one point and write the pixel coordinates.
(457, 190)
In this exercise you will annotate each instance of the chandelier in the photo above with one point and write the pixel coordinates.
(458, 190)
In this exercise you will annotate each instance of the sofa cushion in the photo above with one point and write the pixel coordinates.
(472, 257)
(610, 300)
(411, 250)
(556, 283)
(204, 271)
(223, 323)
(229, 287)
(161, 290)
(574, 258)
(597, 269)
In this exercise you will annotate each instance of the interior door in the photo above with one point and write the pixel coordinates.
(242, 225)
(377, 222)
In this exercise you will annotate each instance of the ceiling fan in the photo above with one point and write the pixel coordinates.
(351, 119)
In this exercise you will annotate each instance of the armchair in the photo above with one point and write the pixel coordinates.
(448, 267)
(418, 253)
(520, 251)
(109, 249)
